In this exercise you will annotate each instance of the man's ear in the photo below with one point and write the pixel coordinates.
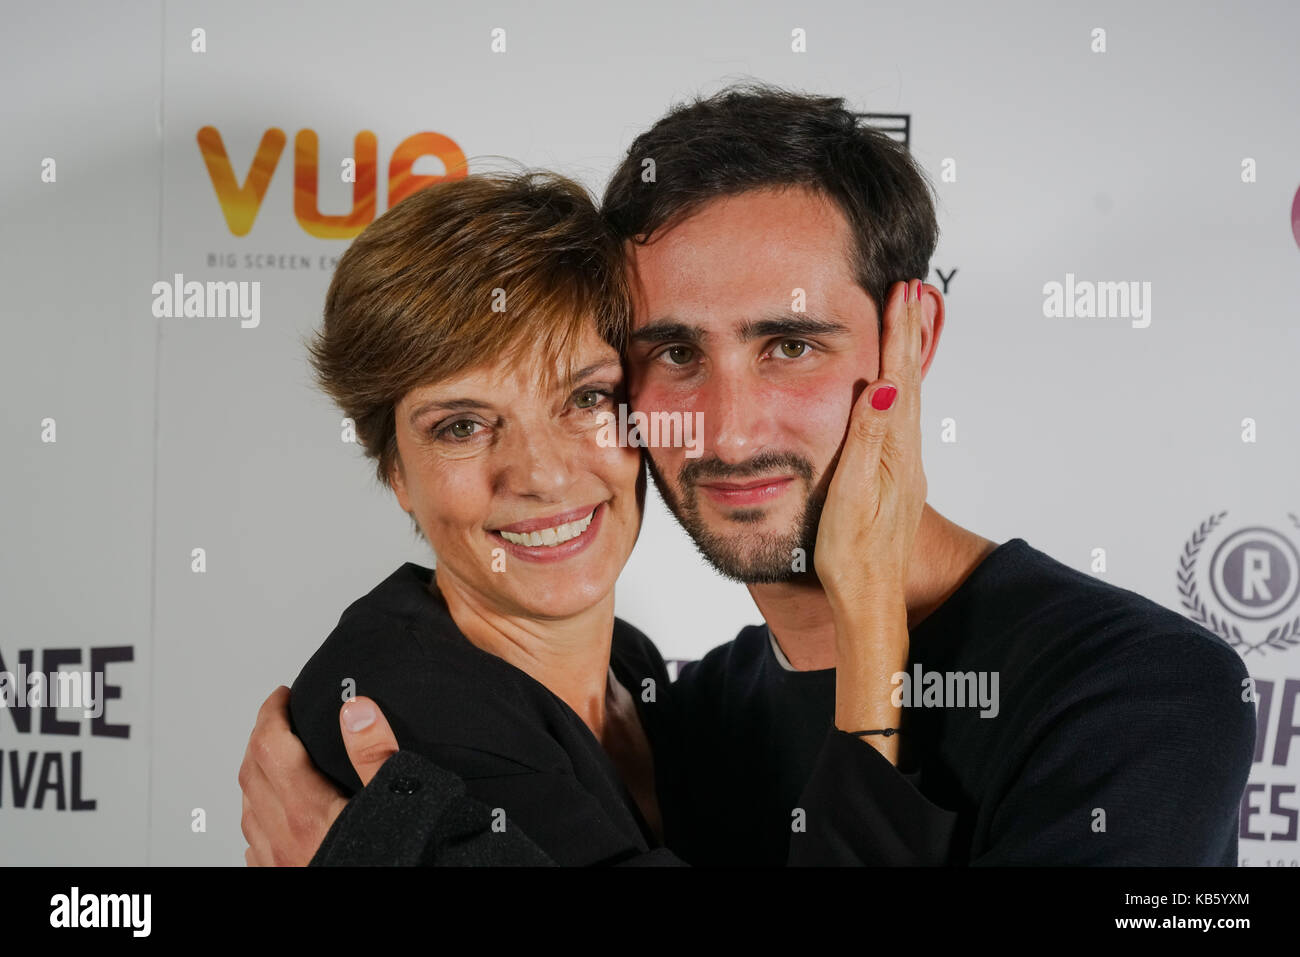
(931, 324)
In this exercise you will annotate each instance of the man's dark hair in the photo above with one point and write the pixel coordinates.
(752, 135)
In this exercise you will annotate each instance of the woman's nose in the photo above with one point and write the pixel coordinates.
(537, 462)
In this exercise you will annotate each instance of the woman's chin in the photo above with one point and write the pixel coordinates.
(561, 598)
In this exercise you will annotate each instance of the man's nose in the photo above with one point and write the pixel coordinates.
(737, 421)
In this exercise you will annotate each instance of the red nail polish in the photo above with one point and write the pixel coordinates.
(883, 397)
(907, 290)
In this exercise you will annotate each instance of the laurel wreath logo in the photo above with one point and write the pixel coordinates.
(1280, 638)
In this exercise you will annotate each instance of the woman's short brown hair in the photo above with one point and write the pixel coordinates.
(461, 274)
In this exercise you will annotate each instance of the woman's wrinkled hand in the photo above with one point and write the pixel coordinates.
(874, 503)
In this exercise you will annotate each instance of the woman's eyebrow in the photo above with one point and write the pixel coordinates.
(594, 368)
(474, 405)
(448, 405)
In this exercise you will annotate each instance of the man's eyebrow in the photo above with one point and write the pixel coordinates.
(790, 324)
(668, 330)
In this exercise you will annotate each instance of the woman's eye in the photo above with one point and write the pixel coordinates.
(679, 355)
(794, 348)
(589, 398)
(464, 429)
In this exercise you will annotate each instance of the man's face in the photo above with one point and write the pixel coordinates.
(721, 328)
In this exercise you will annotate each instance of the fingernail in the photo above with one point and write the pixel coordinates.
(907, 290)
(918, 290)
(883, 397)
(358, 715)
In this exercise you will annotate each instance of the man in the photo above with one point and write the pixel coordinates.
(1048, 718)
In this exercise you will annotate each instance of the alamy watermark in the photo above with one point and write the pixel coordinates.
(946, 689)
(209, 300)
(58, 689)
(132, 912)
(652, 430)
(1085, 299)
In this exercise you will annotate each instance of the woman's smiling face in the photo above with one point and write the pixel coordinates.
(504, 474)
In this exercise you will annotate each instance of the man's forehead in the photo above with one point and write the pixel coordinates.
(823, 308)
(736, 256)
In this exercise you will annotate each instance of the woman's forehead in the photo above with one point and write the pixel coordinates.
(521, 371)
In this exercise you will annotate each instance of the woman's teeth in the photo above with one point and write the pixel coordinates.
(550, 536)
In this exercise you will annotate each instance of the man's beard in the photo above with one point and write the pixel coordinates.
(752, 558)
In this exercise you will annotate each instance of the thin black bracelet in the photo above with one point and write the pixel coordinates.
(885, 731)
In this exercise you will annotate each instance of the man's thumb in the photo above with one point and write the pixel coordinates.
(366, 736)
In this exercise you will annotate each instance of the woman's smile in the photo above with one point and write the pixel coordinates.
(553, 538)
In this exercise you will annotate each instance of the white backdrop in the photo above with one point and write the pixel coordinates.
(171, 434)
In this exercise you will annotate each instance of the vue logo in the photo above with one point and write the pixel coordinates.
(240, 204)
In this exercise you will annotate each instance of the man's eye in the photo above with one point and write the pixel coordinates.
(679, 355)
(794, 348)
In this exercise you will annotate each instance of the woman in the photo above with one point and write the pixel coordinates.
(470, 333)
(473, 335)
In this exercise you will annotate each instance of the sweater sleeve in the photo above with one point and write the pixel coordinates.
(1145, 766)
(861, 810)
(1143, 762)
(415, 813)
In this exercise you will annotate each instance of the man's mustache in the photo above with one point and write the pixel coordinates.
(765, 463)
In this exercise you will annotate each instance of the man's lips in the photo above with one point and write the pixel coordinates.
(754, 492)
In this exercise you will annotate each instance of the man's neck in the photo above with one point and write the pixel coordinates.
(799, 614)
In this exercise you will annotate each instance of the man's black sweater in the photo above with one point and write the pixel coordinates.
(1123, 734)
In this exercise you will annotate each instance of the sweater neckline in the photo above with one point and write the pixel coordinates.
(998, 556)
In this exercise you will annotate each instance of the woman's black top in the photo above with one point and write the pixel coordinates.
(521, 751)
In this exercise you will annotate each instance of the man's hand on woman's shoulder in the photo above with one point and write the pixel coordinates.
(289, 806)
